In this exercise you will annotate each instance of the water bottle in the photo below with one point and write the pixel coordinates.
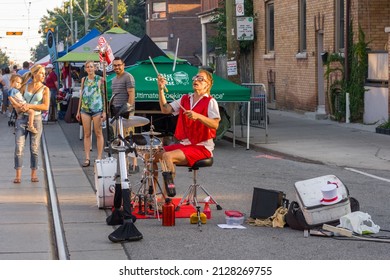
(207, 210)
(103, 124)
(168, 213)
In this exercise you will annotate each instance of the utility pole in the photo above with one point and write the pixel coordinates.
(233, 52)
(115, 12)
(86, 15)
(71, 22)
(232, 45)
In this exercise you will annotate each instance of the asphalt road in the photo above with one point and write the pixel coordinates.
(236, 171)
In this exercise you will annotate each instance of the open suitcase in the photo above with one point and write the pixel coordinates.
(309, 197)
(105, 172)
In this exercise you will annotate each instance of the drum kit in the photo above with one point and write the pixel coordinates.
(144, 145)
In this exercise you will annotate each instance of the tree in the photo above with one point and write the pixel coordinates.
(219, 41)
(4, 60)
(40, 51)
(100, 17)
(137, 18)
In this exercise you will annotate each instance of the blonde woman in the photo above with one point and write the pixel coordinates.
(91, 109)
(37, 96)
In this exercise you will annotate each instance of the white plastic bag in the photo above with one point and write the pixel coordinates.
(359, 222)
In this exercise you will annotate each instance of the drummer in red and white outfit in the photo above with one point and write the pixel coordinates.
(196, 126)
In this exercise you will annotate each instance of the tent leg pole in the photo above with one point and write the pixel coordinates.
(234, 126)
(248, 125)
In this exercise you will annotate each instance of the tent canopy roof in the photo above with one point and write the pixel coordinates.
(90, 35)
(179, 82)
(43, 61)
(141, 51)
(118, 39)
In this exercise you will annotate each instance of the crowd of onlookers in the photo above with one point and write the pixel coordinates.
(69, 76)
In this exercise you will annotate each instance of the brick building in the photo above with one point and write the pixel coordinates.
(168, 20)
(291, 35)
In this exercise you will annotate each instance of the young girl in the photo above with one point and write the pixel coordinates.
(17, 100)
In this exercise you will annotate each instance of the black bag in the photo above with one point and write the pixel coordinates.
(265, 202)
(295, 219)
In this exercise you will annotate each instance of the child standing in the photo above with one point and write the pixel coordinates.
(17, 100)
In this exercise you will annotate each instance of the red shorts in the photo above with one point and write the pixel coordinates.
(193, 153)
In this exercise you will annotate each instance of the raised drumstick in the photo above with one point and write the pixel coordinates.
(155, 69)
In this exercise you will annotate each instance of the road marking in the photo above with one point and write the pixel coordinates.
(368, 174)
(267, 156)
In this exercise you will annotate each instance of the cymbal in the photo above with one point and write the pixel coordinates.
(133, 121)
(154, 133)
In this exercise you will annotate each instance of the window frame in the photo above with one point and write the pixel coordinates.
(160, 8)
(340, 25)
(302, 26)
(270, 26)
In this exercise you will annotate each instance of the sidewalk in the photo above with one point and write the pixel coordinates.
(24, 220)
(323, 141)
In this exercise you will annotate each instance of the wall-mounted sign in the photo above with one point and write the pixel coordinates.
(240, 9)
(245, 29)
(232, 68)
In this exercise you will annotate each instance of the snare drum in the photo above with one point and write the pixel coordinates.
(147, 144)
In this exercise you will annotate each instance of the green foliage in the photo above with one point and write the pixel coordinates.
(4, 60)
(219, 41)
(137, 17)
(100, 14)
(335, 66)
(385, 124)
(40, 50)
(354, 84)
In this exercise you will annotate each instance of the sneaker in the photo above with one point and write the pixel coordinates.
(32, 129)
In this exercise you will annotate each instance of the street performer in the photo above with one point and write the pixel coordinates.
(198, 120)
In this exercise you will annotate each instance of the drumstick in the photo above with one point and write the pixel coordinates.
(171, 96)
(165, 166)
(155, 69)
(162, 166)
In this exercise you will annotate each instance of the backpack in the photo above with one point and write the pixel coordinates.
(295, 219)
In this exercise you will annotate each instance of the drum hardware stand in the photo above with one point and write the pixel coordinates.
(199, 220)
(127, 231)
(148, 188)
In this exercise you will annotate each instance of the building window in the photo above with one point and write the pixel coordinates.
(159, 10)
(340, 26)
(302, 26)
(162, 45)
(270, 26)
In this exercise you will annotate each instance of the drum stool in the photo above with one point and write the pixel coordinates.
(190, 196)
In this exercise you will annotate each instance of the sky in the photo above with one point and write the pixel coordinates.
(22, 15)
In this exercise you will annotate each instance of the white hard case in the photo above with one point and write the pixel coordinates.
(105, 170)
(309, 197)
